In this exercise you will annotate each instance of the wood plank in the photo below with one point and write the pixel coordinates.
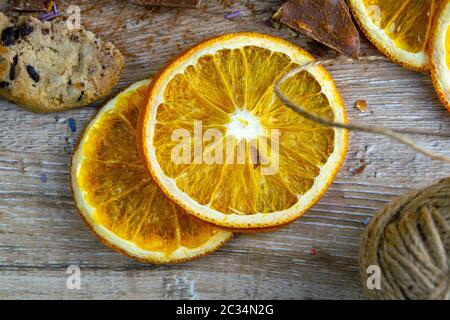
(41, 233)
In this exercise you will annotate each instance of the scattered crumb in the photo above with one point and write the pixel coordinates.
(362, 105)
(362, 166)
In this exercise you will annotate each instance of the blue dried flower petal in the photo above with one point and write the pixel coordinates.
(72, 125)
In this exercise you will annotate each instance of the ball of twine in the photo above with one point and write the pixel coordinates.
(409, 240)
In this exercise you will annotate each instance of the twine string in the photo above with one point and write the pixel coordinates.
(408, 239)
(376, 130)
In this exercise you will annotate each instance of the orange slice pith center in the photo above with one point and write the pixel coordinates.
(124, 198)
(407, 22)
(230, 93)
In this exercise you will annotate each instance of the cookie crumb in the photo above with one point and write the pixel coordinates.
(362, 105)
(362, 166)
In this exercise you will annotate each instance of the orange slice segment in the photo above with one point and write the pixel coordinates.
(400, 29)
(222, 146)
(440, 54)
(118, 198)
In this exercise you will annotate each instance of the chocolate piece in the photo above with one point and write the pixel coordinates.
(28, 5)
(33, 73)
(25, 30)
(327, 21)
(12, 69)
(169, 3)
(10, 36)
(81, 96)
(12, 72)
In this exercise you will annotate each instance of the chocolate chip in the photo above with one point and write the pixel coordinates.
(4, 84)
(45, 31)
(10, 36)
(33, 74)
(12, 69)
(26, 29)
(12, 72)
(81, 96)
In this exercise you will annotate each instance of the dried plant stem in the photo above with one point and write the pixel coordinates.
(393, 134)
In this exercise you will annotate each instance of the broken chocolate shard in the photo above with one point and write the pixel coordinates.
(327, 21)
(28, 5)
(169, 3)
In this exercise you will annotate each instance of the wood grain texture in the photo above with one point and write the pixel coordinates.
(41, 233)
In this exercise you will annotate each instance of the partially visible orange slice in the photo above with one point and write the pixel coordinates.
(440, 54)
(399, 28)
(249, 161)
(118, 199)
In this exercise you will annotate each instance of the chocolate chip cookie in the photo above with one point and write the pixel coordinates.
(46, 67)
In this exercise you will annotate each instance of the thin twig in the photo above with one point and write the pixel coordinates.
(393, 134)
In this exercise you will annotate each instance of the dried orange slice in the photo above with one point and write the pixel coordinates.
(222, 146)
(440, 54)
(399, 28)
(118, 199)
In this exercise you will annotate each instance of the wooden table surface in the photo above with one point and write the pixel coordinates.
(41, 233)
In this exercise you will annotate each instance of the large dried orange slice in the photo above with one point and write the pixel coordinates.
(118, 199)
(440, 54)
(399, 28)
(222, 146)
